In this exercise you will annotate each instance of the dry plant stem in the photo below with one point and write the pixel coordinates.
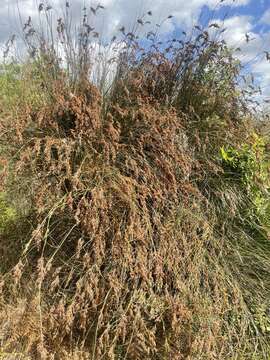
(143, 237)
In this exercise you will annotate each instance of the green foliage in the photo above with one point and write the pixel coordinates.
(7, 213)
(10, 83)
(20, 86)
(248, 166)
(262, 318)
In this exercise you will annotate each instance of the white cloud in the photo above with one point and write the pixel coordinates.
(239, 29)
(126, 12)
(236, 28)
(261, 70)
(266, 17)
(118, 12)
(239, 34)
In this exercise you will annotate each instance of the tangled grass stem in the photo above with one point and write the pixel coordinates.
(141, 221)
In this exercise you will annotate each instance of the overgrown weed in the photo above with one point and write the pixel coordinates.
(147, 239)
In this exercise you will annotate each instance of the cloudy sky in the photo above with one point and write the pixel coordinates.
(243, 19)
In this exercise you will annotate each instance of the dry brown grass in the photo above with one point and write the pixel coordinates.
(132, 250)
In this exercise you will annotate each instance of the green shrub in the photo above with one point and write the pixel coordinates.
(7, 213)
(248, 166)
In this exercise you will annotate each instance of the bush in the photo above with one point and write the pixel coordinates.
(249, 167)
(148, 233)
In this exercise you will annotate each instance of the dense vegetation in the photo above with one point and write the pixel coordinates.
(134, 216)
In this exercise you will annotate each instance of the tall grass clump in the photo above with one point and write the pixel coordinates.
(140, 185)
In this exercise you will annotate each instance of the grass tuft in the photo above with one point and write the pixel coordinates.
(141, 197)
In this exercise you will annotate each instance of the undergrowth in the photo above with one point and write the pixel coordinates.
(140, 227)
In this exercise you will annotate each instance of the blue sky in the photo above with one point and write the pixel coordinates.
(254, 8)
(243, 17)
(257, 10)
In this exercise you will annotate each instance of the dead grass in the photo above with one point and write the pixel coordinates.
(138, 242)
